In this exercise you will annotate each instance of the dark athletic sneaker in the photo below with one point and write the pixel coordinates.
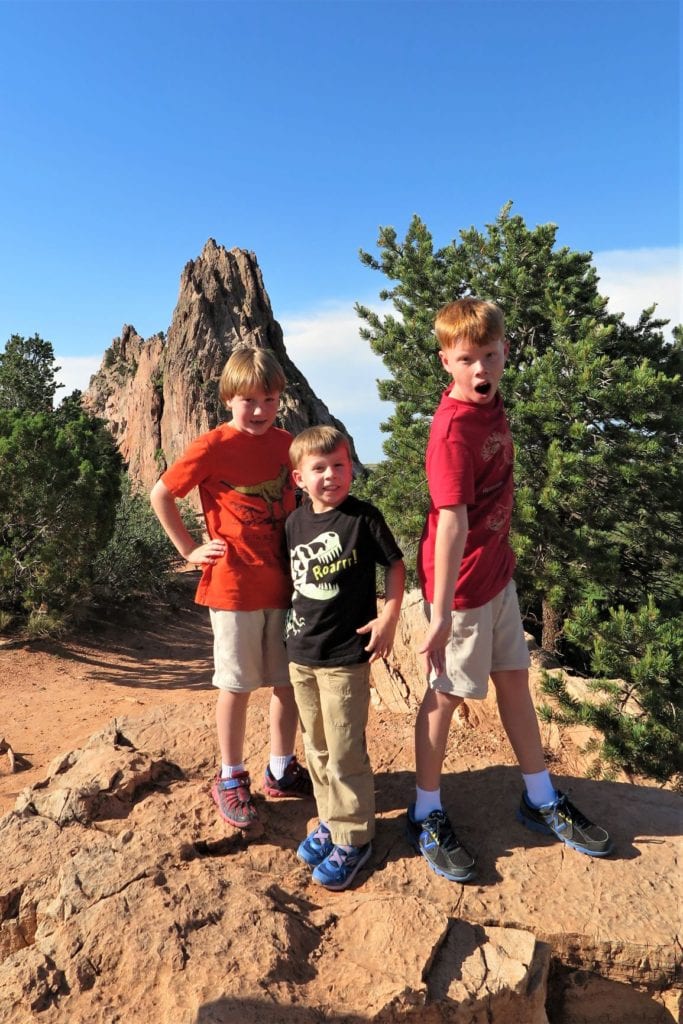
(340, 867)
(566, 822)
(295, 782)
(316, 846)
(435, 839)
(233, 799)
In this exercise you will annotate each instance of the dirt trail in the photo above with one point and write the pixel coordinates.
(55, 694)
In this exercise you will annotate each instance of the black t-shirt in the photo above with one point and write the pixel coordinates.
(333, 557)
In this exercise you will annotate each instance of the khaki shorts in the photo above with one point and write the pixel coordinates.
(483, 640)
(249, 649)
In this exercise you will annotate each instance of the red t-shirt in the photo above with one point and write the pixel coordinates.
(469, 462)
(246, 490)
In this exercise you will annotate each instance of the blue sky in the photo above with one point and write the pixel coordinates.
(133, 131)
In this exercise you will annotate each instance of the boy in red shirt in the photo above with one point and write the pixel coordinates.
(465, 564)
(243, 473)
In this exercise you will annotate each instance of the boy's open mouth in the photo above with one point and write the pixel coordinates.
(483, 389)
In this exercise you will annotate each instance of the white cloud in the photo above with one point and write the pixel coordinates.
(75, 372)
(635, 278)
(342, 369)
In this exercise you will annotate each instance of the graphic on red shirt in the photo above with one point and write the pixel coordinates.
(246, 492)
(269, 491)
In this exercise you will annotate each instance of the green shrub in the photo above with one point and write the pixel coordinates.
(636, 660)
(59, 481)
(138, 560)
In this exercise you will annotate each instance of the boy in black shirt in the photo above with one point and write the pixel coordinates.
(333, 633)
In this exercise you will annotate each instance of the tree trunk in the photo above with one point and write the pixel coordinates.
(551, 628)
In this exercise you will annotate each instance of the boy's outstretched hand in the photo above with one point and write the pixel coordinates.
(383, 628)
(381, 632)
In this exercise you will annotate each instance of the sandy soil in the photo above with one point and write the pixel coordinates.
(55, 694)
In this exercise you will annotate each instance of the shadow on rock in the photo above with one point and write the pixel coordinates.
(253, 1011)
(482, 806)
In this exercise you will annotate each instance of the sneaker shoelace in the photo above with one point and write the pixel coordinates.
(337, 857)
(442, 831)
(320, 836)
(566, 810)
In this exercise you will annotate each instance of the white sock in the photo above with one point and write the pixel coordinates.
(426, 801)
(539, 789)
(229, 771)
(278, 765)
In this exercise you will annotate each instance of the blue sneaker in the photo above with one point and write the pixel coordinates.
(340, 867)
(316, 846)
(435, 839)
(566, 822)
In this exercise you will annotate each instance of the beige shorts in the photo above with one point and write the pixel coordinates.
(249, 649)
(483, 640)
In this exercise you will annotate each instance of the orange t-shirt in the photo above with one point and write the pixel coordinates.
(246, 490)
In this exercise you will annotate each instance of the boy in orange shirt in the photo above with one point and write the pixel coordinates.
(242, 470)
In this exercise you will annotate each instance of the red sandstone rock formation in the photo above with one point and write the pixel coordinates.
(158, 395)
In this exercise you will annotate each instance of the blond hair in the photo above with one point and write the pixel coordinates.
(471, 320)
(248, 370)
(317, 441)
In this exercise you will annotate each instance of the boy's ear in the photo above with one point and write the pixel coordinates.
(506, 347)
(296, 476)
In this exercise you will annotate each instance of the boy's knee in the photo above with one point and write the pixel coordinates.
(438, 700)
(517, 678)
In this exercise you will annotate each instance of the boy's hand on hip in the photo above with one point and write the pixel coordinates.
(433, 647)
(207, 554)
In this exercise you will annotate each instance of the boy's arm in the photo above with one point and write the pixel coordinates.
(383, 628)
(164, 504)
(451, 534)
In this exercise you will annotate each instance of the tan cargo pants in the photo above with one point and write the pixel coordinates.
(333, 707)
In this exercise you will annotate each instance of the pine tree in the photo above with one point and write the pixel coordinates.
(636, 659)
(27, 374)
(59, 486)
(593, 406)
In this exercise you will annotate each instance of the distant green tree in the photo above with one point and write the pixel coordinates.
(593, 405)
(59, 485)
(636, 659)
(27, 375)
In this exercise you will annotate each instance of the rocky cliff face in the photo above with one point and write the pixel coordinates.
(158, 395)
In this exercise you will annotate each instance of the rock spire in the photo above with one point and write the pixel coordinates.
(158, 394)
